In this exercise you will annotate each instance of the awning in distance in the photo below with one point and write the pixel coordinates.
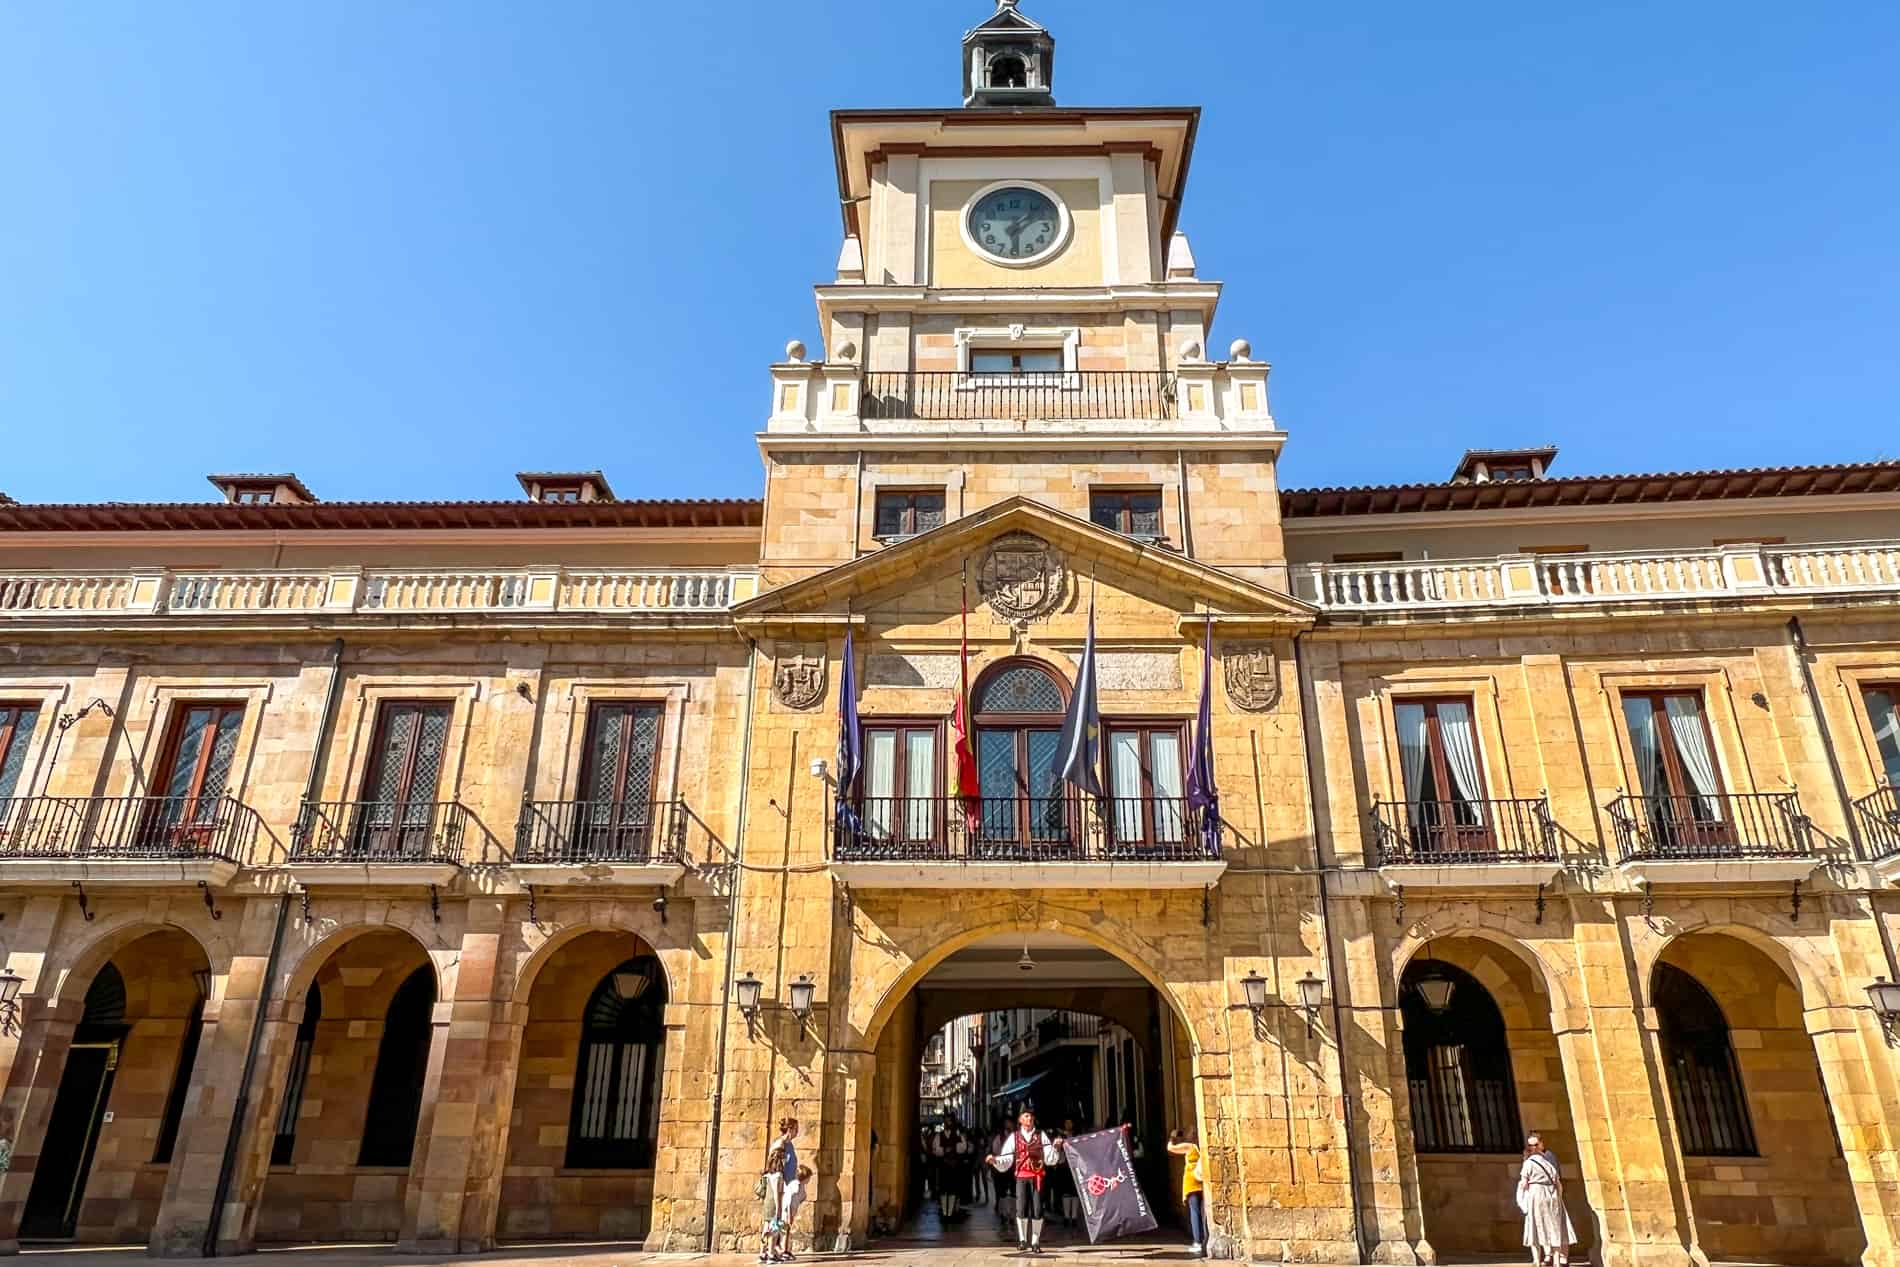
(1021, 1084)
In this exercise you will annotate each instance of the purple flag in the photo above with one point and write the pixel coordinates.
(1104, 1172)
(1203, 796)
(849, 739)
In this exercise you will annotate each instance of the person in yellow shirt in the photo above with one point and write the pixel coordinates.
(1181, 1141)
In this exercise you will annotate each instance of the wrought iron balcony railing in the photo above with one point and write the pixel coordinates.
(129, 828)
(601, 831)
(380, 831)
(1075, 395)
(1024, 829)
(1880, 822)
(1476, 832)
(1720, 825)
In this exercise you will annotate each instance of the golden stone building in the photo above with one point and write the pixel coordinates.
(455, 873)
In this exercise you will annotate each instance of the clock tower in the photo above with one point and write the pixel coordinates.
(1016, 312)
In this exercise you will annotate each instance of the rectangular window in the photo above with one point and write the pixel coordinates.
(1883, 709)
(907, 512)
(255, 497)
(193, 770)
(405, 770)
(1016, 361)
(1511, 473)
(619, 770)
(1675, 767)
(1441, 774)
(1370, 556)
(16, 735)
(899, 800)
(1145, 784)
(1133, 512)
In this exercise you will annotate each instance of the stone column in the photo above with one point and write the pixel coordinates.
(683, 1133)
(1850, 1048)
(46, 1034)
(211, 1103)
(849, 1120)
(1613, 1073)
(467, 1095)
(1375, 1063)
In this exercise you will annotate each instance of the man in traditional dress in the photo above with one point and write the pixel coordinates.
(1027, 1153)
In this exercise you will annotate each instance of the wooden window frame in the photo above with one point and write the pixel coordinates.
(1714, 832)
(937, 728)
(620, 827)
(1125, 514)
(1890, 686)
(185, 825)
(379, 731)
(1436, 836)
(1144, 727)
(10, 732)
(1021, 725)
(909, 495)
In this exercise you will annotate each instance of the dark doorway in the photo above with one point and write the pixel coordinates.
(72, 1133)
(402, 1062)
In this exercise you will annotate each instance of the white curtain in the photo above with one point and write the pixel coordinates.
(880, 776)
(1412, 741)
(1124, 755)
(1886, 718)
(1164, 753)
(920, 783)
(1461, 750)
(1640, 716)
(1692, 745)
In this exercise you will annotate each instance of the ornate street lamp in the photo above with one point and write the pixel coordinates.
(1312, 994)
(10, 983)
(1436, 990)
(747, 989)
(1254, 987)
(802, 992)
(1882, 993)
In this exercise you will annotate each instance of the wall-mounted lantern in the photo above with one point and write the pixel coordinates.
(1254, 987)
(631, 983)
(1882, 993)
(1312, 994)
(746, 990)
(802, 992)
(10, 983)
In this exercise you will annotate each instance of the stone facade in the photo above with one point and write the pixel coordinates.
(518, 904)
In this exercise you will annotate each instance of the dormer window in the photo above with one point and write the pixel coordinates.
(565, 487)
(1503, 466)
(255, 496)
(262, 490)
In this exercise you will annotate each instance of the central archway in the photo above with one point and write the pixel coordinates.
(1059, 1024)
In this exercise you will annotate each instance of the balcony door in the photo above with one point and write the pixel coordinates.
(193, 770)
(399, 790)
(900, 808)
(1675, 765)
(1146, 804)
(618, 773)
(1883, 710)
(1442, 774)
(1024, 809)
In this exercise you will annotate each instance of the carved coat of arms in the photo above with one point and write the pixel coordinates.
(1252, 674)
(798, 680)
(1022, 577)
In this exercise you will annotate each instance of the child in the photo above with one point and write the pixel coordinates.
(772, 1193)
(788, 1210)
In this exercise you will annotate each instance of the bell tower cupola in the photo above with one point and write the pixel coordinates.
(1009, 60)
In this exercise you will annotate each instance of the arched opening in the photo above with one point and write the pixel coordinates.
(1008, 71)
(100, 1173)
(1766, 1176)
(1018, 707)
(1481, 1068)
(1043, 1021)
(351, 1097)
(586, 1124)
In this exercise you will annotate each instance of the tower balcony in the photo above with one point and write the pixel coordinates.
(942, 842)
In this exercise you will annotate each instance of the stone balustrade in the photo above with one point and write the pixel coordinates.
(1586, 579)
(159, 591)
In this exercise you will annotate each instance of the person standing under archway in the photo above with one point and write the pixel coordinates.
(1027, 1154)
(1540, 1194)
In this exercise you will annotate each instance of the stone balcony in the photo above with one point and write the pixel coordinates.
(1466, 844)
(631, 843)
(1600, 580)
(1713, 838)
(1023, 842)
(148, 592)
(108, 841)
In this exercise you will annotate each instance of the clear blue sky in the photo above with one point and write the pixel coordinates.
(406, 249)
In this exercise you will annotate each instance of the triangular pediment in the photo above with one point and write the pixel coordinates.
(1020, 526)
(1007, 19)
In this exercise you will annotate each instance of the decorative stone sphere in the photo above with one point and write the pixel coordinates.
(1240, 350)
(795, 350)
(847, 351)
(1191, 351)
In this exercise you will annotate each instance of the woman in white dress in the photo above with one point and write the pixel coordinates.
(1540, 1195)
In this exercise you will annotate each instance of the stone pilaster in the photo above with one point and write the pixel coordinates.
(46, 1034)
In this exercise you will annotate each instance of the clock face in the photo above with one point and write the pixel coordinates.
(1014, 223)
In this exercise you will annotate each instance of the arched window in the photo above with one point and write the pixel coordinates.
(617, 1081)
(1704, 1081)
(1019, 706)
(402, 1061)
(284, 1146)
(1457, 1063)
(1008, 72)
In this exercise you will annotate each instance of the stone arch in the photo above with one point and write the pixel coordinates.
(297, 972)
(70, 970)
(869, 1016)
(536, 956)
(1805, 968)
(1548, 981)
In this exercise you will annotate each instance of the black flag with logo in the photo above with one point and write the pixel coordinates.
(1112, 1200)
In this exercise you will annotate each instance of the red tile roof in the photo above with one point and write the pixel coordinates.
(407, 516)
(1595, 490)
